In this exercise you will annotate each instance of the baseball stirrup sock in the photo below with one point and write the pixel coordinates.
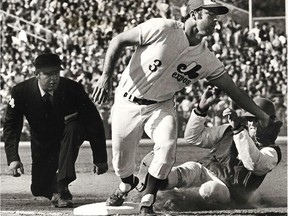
(128, 180)
(153, 184)
(126, 183)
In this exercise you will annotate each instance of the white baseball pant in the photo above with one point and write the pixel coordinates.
(129, 121)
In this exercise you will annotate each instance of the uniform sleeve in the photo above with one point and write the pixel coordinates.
(12, 127)
(217, 73)
(259, 161)
(155, 29)
(197, 134)
(216, 67)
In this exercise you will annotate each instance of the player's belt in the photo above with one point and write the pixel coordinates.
(140, 101)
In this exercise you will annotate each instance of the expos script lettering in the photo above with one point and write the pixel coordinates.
(184, 72)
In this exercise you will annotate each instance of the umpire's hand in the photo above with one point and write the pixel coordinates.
(14, 166)
(100, 168)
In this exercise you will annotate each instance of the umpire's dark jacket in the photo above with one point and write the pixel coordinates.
(68, 98)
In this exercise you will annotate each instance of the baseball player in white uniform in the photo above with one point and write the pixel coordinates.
(170, 55)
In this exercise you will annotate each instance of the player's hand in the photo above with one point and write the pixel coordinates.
(102, 89)
(100, 168)
(233, 118)
(209, 97)
(14, 167)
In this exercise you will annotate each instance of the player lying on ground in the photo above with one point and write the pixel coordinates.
(169, 56)
(241, 154)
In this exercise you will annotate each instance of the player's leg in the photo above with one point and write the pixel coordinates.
(162, 128)
(143, 171)
(193, 174)
(185, 175)
(127, 130)
(213, 190)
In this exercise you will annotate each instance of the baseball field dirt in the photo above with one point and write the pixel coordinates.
(16, 198)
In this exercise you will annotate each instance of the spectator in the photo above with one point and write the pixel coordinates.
(264, 33)
(255, 30)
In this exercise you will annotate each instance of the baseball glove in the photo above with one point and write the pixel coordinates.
(268, 135)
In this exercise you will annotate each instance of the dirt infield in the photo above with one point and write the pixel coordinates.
(16, 198)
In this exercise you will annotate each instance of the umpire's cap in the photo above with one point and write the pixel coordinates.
(48, 63)
(207, 4)
(266, 105)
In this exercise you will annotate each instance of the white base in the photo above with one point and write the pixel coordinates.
(102, 209)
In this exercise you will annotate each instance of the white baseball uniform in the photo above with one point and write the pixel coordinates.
(162, 64)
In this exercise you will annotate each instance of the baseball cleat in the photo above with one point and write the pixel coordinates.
(118, 197)
(146, 211)
(143, 171)
(146, 205)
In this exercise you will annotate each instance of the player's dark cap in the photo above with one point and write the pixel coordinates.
(207, 4)
(48, 63)
(266, 105)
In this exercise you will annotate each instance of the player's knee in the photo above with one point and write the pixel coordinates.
(165, 157)
(213, 192)
(168, 149)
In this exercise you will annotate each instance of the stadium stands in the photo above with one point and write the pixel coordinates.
(80, 31)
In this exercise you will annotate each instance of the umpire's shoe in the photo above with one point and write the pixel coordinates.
(117, 198)
(62, 200)
(143, 171)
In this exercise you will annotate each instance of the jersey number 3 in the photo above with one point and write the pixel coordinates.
(156, 64)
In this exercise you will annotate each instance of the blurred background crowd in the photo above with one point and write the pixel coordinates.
(80, 32)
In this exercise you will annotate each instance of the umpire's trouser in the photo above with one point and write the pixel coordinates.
(61, 156)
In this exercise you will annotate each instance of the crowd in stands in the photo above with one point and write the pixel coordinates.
(80, 32)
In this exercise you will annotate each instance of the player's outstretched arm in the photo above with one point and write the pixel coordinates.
(117, 44)
(225, 83)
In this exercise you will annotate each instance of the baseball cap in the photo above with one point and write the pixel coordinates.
(207, 4)
(265, 104)
(47, 63)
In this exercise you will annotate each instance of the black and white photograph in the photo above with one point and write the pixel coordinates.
(143, 107)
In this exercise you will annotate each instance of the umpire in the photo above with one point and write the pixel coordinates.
(61, 116)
